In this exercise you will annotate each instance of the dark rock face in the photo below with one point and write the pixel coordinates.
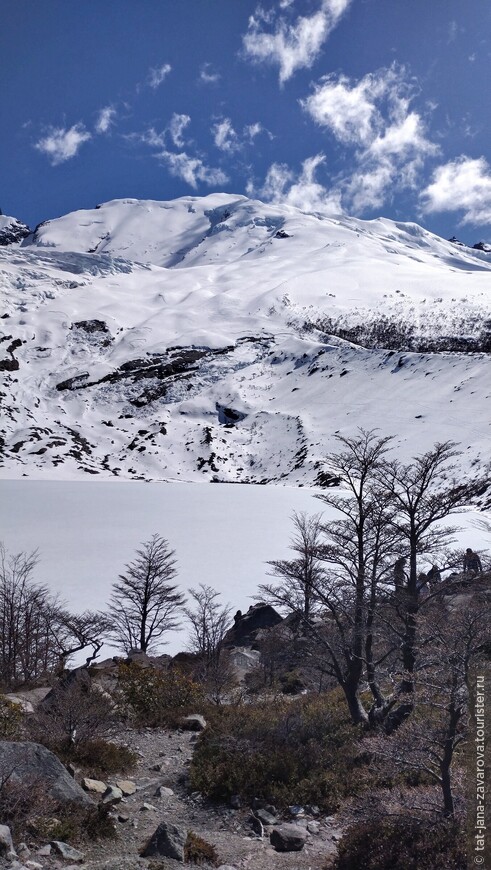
(288, 838)
(167, 842)
(14, 232)
(28, 762)
(243, 633)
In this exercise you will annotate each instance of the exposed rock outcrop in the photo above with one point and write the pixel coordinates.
(246, 626)
(28, 762)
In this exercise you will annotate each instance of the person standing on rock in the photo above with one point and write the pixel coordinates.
(472, 563)
(400, 577)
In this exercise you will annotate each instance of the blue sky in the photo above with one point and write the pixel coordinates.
(367, 107)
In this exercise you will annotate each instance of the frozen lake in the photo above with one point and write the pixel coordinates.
(223, 534)
(87, 531)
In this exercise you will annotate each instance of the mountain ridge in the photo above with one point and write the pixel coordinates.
(210, 338)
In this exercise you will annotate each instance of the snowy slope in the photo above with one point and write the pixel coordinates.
(192, 340)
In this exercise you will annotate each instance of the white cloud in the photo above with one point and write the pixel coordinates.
(303, 191)
(373, 117)
(157, 75)
(253, 130)
(228, 140)
(461, 185)
(208, 75)
(225, 137)
(191, 169)
(177, 125)
(291, 46)
(349, 112)
(105, 119)
(60, 144)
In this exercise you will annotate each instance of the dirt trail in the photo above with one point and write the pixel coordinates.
(226, 829)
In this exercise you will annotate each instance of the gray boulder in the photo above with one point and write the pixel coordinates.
(6, 845)
(67, 852)
(28, 762)
(167, 842)
(288, 838)
(265, 817)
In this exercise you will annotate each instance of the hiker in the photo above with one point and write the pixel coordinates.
(472, 563)
(423, 588)
(434, 576)
(400, 576)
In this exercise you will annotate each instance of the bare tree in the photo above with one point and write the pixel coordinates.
(451, 639)
(356, 553)
(29, 619)
(424, 492)
(208, 621)
(76, 632)
(296, 580)
(144, 604)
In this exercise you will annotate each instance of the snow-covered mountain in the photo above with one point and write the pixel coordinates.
(219, 338)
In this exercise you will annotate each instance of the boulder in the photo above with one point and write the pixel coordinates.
(6, 844)
(246, 626)
(166, 842)
(265, 817)
(30, 762)
(67, 852)
(127, 786)
(112, 795)
(23, 705)
(288, 838)
(95, 785)
(162, 792)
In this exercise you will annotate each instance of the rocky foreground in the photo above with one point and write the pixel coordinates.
(155, 796)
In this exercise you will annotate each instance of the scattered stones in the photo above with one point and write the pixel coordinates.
(112, 795)
(123, 818)
(44, 851)
(265, 817)
(313, 827)
(296, 811)
(162, 792)
(167, 842)
(94, 785)
(67, 852)
(288, 838)
(147, 807)
(127, 786)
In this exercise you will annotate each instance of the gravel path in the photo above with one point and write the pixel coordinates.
(164, 758)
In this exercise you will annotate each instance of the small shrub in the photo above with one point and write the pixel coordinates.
(10, 720)
(299, 751)
(198, 851)
(402, 843)
(75, 823)
(75, 712)
(29, 810)
(158, 698)
(99, 757)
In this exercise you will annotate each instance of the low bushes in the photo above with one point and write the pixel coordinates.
(10, 720)
(199, 851)
(158, 698)
(99, 757)
(302, 751)
(31, 813)
(402, 843)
